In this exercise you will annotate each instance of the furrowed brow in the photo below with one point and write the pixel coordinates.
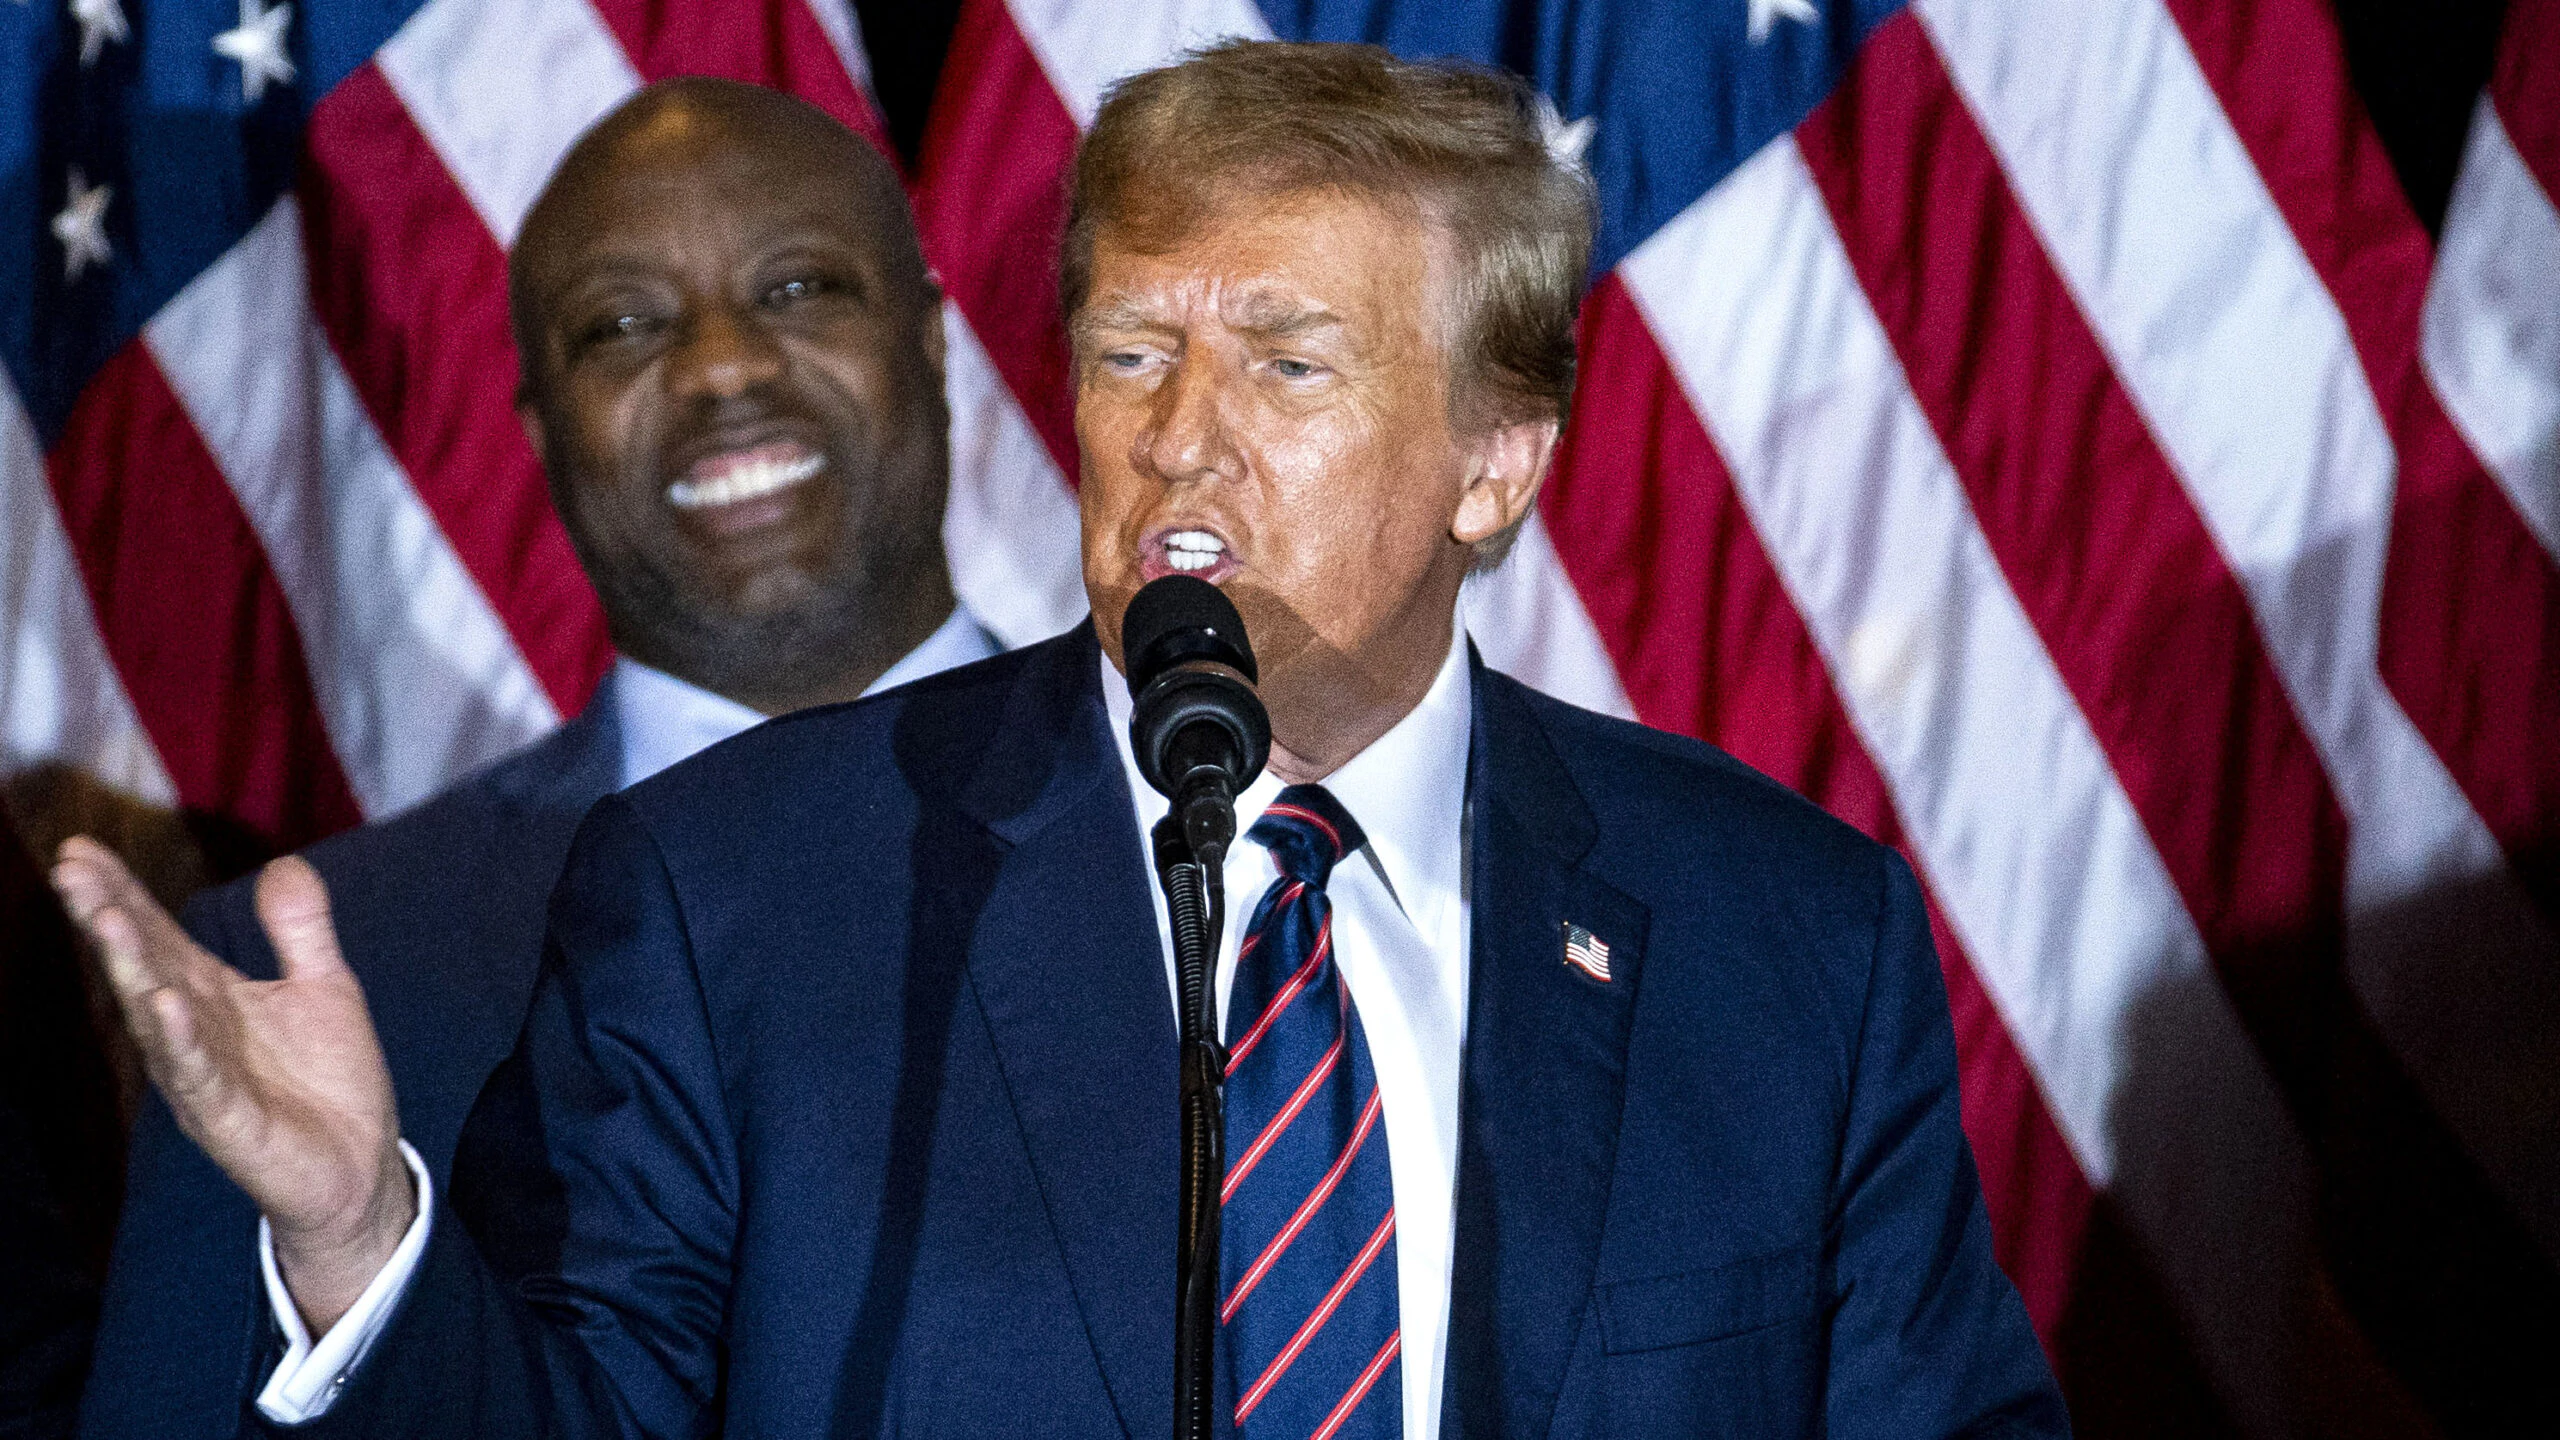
(1284, 320)
(1112, 315)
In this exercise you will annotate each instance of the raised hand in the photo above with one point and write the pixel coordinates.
(280, 1081)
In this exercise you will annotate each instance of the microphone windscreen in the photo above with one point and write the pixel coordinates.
(1181, 618)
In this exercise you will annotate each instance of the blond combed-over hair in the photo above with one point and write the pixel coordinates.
(1464, 144)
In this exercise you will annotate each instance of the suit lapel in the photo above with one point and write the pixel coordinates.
(1545, 1072)
(1069, 972)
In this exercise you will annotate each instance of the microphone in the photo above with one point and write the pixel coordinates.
(1200, 733)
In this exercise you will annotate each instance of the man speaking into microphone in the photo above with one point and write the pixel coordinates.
(1579, 1081)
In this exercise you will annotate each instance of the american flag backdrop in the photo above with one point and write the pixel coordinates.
(2043, 433)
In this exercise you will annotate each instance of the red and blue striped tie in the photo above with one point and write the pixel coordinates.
(1307, 1252)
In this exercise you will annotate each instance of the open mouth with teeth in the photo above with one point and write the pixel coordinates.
(1196, 553)
(739, 476)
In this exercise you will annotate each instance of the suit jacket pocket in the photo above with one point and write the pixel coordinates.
(1709, 1304)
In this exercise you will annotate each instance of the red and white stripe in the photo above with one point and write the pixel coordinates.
(1361, 1385)
(1084, 45)
(502, 89)
(1314, 1324)
(1306, 1211)
(1289, 988)
(61, 700)
(1010, 527)
(1288, 1113)
(416, 680)
(2492, 338)
(2149, 202)
(2032, 849)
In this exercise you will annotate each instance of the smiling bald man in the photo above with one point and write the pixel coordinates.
(1579, 1082)
(731, 370)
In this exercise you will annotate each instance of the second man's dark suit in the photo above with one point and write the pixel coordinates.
(441, 914)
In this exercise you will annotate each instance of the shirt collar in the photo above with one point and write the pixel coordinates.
(664, 719)
(959, 641)
(1408, 790)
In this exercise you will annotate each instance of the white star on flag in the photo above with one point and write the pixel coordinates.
(258, 44)
(82, 226)
(1564, 140)
(1765, 15)
(100, 22)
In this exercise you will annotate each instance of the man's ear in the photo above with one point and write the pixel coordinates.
(1509, 463)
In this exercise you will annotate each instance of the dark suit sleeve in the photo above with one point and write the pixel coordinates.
(576, 1283)
(1929, 1338)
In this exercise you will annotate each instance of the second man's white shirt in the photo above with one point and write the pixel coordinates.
(663, 719)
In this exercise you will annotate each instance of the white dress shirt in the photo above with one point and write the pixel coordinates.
(661, 720)
(664, 719)
(1400, 938)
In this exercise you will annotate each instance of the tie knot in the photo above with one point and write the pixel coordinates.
(1307, 831)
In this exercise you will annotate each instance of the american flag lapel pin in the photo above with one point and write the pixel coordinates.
(1586, 952)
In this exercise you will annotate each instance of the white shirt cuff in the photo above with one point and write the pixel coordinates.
(307, 1381)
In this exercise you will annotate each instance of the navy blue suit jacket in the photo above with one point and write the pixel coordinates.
(846, 1106)
(440, 912)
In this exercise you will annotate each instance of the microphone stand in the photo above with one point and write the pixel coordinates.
(1199, 734)
(1190, 845)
